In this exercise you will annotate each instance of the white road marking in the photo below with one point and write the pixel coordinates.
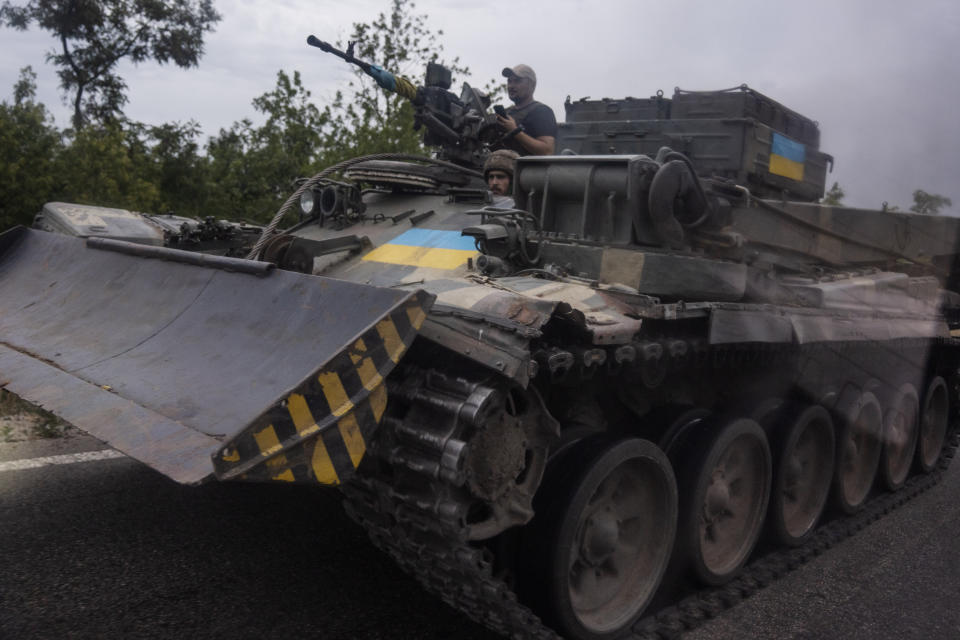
(67, 458)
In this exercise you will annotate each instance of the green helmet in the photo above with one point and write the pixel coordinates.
(501, 160)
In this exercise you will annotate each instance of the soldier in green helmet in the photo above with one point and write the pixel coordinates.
(498, 172)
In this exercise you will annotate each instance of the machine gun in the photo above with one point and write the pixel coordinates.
(460, 126)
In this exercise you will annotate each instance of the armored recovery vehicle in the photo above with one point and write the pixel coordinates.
(549, 414)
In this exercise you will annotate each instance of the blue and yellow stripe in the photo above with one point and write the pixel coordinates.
(787, 157)
(431, 248)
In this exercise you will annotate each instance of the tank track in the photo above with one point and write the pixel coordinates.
(459, 574)
(423, 532)
(435, 551)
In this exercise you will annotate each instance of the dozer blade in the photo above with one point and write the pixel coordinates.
(199, 365)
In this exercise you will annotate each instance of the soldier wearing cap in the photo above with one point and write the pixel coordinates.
(498, 172)
(530, 127)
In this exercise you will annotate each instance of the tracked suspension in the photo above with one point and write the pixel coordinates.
(414, 506)
(462, 575)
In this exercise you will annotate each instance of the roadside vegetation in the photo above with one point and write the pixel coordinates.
(20, 420)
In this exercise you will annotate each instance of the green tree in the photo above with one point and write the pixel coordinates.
(95, 35)
(252, 168)
(29, 144)
(108, 165)
(293, 122)
(179, 169)
(930, 203)
(834, 197)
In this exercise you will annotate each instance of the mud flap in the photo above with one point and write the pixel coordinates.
(199, 365)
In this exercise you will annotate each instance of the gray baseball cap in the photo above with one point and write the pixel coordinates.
(520, 71)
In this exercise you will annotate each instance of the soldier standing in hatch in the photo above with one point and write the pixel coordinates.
(498, 172)
(530, 126)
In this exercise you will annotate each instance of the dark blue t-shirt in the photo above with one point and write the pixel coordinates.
(537, 120)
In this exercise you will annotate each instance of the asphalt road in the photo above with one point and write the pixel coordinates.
(110, 549)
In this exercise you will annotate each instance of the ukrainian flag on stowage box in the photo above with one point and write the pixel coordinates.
(787, 157)
(426, 248)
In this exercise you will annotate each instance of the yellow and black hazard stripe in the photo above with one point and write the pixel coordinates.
(319, 432)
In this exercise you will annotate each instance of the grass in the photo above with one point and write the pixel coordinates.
(47, 425)
(11, 404)
(52, 427)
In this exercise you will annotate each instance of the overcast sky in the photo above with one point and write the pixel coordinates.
(882, 77)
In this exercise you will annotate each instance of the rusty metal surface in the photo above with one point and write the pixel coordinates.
(531, 302)
(203, 348)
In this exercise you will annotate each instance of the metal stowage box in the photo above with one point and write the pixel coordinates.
(736, 148)
(585, 110)
(86, 221)
(744, 102)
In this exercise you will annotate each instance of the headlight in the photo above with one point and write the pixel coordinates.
(307, 201)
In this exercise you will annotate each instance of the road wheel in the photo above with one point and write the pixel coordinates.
(724, 489)
(934, 415)
(858, 448)
(602, 538)
(900, 431)
(803, 450)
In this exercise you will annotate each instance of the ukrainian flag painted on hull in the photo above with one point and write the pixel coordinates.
(426, 248)
(787, 157)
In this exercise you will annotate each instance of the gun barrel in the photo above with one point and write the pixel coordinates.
(387, 80)
(314, 41)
